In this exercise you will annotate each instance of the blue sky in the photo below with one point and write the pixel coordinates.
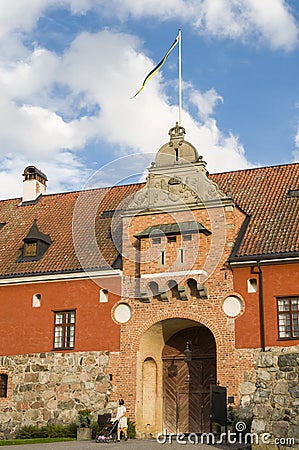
(69, 67)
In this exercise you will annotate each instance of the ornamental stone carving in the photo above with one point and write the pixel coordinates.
(178, 178)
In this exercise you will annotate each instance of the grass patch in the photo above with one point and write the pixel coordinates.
(34, 441)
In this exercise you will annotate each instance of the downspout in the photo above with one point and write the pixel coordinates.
(261, 307)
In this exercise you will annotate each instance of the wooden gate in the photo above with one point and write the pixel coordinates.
(187, 385)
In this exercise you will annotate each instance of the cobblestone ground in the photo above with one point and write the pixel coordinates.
(133, 444)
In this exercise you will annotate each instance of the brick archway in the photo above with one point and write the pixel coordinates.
(189, 315)
(148, 345)
(138, 337)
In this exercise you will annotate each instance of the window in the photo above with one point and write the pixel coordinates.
(162, 258)
(156, 240)
(187, 237)
(171, 239)
(3, 385)
(293, 193)
(252, 285)
(36, 300)
(35, 245)
(64, 335)
(103, 296)
(181, 255)
(288, 312)
(30, 249)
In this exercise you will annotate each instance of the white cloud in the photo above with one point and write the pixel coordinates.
(53, 106)
(64, 167)
(270, 20)
(205, 102)
(274, 22)
(296, 151)
(132, 125)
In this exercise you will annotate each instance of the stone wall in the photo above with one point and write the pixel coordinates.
(276, 398)
(52, 387)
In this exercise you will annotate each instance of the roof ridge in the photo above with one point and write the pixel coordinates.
(77, 191)
(90, 189)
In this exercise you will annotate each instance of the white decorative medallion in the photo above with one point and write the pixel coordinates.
(122, 313)
(232, 306)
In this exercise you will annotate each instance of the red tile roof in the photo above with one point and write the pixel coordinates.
(262, 193)
(274, 215)
(56, 214)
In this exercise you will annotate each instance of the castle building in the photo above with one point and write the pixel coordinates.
(152, 292)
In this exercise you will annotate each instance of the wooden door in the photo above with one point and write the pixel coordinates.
(187, 385)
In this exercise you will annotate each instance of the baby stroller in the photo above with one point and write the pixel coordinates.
(108, 429)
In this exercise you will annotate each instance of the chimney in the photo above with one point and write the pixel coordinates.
(34, 184)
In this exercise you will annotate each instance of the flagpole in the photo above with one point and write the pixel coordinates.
(180, 77)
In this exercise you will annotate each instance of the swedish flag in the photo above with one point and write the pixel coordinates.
(158, 67)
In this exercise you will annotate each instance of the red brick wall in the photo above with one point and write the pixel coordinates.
(232, 364)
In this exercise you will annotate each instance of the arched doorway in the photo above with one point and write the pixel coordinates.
(186, 385)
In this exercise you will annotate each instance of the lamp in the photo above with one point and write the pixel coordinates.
(188, 352)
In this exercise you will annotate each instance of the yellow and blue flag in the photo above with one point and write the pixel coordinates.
(158, 67)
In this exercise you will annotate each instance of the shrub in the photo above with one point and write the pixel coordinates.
(48, 431)
(131, 429)
(84, 418)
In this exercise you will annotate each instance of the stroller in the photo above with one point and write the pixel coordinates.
(108, 429)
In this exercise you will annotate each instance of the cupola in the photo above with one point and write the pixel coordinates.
(34, 184)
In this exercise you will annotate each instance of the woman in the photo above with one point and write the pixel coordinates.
(122, 420)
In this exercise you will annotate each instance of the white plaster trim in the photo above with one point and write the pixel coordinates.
(174, 274)
(60, 277)
(264, 261)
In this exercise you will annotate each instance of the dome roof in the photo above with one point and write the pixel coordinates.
(177, 150)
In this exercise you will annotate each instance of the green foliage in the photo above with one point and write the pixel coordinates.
(31, 432)
(231, 416)
(131, 429)
(48, 431)
(84, 417)
(234, 416)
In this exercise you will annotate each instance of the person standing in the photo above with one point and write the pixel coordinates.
(121, 416)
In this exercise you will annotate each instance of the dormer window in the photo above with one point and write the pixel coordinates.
(35, 245)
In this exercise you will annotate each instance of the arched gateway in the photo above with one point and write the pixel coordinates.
(174, 394)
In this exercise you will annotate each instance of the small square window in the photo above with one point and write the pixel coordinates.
(156, 240)
(187, 237)
(171, 239)
(104, 296)
(36, 300)
(252, 285)
(30, 249)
